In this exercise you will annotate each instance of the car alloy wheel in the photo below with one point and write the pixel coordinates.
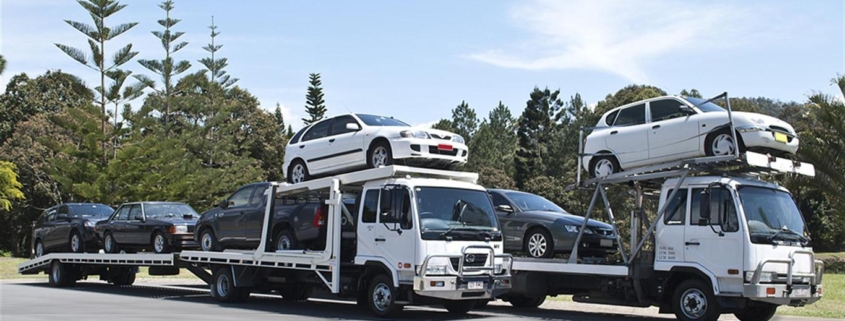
(75, 243)
(693, 303)
(108, 244)
(379, 157)
(722, 145)
(298, 173)
(39, 249)
(537, 245)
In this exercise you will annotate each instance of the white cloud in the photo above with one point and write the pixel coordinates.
(620, 37)
(291, 118)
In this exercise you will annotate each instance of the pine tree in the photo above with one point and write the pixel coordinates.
(215, 65)
(444, 124)
(98, 35)
(494, 143)
(280, 119)
(290, 131)
(166, 68)
(2, 64)
(536, 127)
(315, 106)
(464, 121)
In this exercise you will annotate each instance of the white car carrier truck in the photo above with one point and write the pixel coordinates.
(417, 236)
(725, 241)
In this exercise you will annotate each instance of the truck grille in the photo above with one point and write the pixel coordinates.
(478, 260)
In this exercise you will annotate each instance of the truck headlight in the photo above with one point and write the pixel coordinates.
(497, 268)
(436, 269)
(764, 276)
(414, 134)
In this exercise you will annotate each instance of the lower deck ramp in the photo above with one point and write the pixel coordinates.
(39, 264)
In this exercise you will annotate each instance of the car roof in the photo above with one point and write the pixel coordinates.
(154, 202)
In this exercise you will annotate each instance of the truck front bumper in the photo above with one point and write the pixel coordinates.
(780, 294)
(462, 288)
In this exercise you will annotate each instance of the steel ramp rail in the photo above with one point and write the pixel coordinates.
(246, 258)
(139, 259)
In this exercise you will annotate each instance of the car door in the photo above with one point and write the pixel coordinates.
(506, 221)
(254, 217)
(628, 138)
(61, 228)
(346, 146)
(48, 237)
(673, 131)
(118, 223)
(230, 220)
(706, 247)
(314, 147)
(133, 230)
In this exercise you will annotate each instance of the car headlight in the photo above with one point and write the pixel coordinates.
(764, 276)
(572, 228)
(179, 229)
(458, 139)
(89, 224)
(414, 134)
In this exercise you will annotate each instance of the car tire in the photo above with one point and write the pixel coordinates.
(75, 242)
(208, 241)
(758, 312)
(539, 243)
(40, 250)
(693, 300)
(459, 307)
(159, 243)
(381, 297)
(110, 244)
(285, 240)
(298, 172)
(380, 154)
(607, 165)
(720, 143)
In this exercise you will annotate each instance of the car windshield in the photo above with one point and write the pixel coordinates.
(705, 107)
(165, 211)
(373, 120)
(771, 214)
(444, 209)
(531, 202)
(91, 210)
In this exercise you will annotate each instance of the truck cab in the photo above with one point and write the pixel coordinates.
(746, 235)
(439, 239)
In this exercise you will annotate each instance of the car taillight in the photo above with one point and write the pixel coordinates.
(319, 220)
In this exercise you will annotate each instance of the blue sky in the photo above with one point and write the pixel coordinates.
(416, 60)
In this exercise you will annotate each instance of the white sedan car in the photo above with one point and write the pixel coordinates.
(353, 141)
(671, 128)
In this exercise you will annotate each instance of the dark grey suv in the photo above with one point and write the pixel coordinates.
(69, 227)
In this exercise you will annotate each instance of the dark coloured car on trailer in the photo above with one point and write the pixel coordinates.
(68, 227)
(160, 227)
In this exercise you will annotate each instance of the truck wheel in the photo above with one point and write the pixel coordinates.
(525, 302)
(109, 244)
(208, 241)
(76, 243)
(757, 312)
(459, 306)
(481, 304)
(694, 301)
(124, 278)
(539, 243)
(59, 275)
(295, 293)
(160, 244)
(224, 286)
(285, 240)
(381, 297)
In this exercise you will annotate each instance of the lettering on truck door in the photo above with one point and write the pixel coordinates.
(670, 239)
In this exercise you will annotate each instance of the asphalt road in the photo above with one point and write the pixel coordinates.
(36, 300)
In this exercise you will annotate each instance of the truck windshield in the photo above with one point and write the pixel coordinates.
(455, 213)
(771, 215)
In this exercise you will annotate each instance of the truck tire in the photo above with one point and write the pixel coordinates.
(481, 304)
(693, 300)
(59, 275)
(525, 302)
(757, 312)
(381, 297)
(224, 286)
(459, 306)
(125, 277)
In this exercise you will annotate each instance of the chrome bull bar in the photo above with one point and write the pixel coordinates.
(489, 265)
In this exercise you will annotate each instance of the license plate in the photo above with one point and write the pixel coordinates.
(606, 243)
(475, 285)
(801, 292)
(444, 147)
(780, 137)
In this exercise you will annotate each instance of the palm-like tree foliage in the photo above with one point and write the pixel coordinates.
(823, 144)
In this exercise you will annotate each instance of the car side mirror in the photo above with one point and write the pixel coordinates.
(139, 217)
(505, 208)
(223, 204)
(353, 126)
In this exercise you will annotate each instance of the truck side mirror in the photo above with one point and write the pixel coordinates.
(704, 208)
